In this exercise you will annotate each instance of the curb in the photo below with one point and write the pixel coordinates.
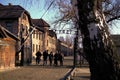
(74, 72)
(69, 74)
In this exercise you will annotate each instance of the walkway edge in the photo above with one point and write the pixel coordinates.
(69, 74)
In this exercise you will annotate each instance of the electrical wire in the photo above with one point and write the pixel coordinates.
(48, 8)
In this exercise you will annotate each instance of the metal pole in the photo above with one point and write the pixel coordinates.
(22, 43)
(75, 48)
(74, 62)
(22, 53)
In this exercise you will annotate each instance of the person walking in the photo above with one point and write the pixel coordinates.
(50, 58)
(38, 57)
(45, 55)
(56, 59)
(61, 57)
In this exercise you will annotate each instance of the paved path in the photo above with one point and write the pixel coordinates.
(38, 72)
(81, 74)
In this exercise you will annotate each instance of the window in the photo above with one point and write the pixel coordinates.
(33, 47)
(26, 30)
(42, 36)
(37, 34)
(9, 26)
(33, 34)
(36, 48)
(39, 47)
(47, 42)
(24, 16)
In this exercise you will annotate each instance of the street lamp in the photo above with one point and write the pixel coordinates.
(75, 49)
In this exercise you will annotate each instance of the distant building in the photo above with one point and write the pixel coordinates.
(18, 21)
(42, 31)
(64, 47)
(7, 48)
(37, 38)
(52, 41)
(116, 40)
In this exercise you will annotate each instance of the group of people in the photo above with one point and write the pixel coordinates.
(56, 57)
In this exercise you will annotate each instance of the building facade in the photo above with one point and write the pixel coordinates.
(7, 48)
(52, 41)
(44, 26)
(65, 48)
(17, 20)
(33, 34)
(37, 41)
(116, 39)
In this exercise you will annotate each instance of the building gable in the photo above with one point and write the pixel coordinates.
(5, 33)
(40, 23)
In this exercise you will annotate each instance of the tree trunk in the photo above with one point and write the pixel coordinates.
(98, 46)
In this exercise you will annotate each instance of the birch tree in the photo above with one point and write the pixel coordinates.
(98, 46)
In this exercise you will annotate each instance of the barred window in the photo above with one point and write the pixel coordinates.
(33, 47)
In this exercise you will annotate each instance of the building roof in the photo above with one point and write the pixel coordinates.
(12, 12)
(40, 23)
(4, 33)
(52, 33)
(40, 28)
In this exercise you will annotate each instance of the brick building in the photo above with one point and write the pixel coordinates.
(18, 21)
(116, 39)
(7, 48)
(64, 47)
(52, 41)
(37, 38)
(41, 24)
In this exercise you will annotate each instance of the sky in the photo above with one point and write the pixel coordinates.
(36, 11)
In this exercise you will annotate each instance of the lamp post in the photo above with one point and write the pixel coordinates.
(22, 46)
(22, 52)
(75, 48)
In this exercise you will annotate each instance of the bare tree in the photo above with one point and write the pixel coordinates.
(111, 9)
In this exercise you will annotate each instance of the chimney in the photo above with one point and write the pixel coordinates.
(10, 4)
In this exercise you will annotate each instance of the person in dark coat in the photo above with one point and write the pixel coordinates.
(50, 58)
(45, 55)
(61, 57)
(56, 59)
(38, 57)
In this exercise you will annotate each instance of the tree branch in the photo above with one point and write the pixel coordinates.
(113, 18)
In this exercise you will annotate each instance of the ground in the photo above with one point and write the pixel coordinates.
(39, 72)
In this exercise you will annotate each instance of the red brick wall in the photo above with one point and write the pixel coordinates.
(7, 53)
